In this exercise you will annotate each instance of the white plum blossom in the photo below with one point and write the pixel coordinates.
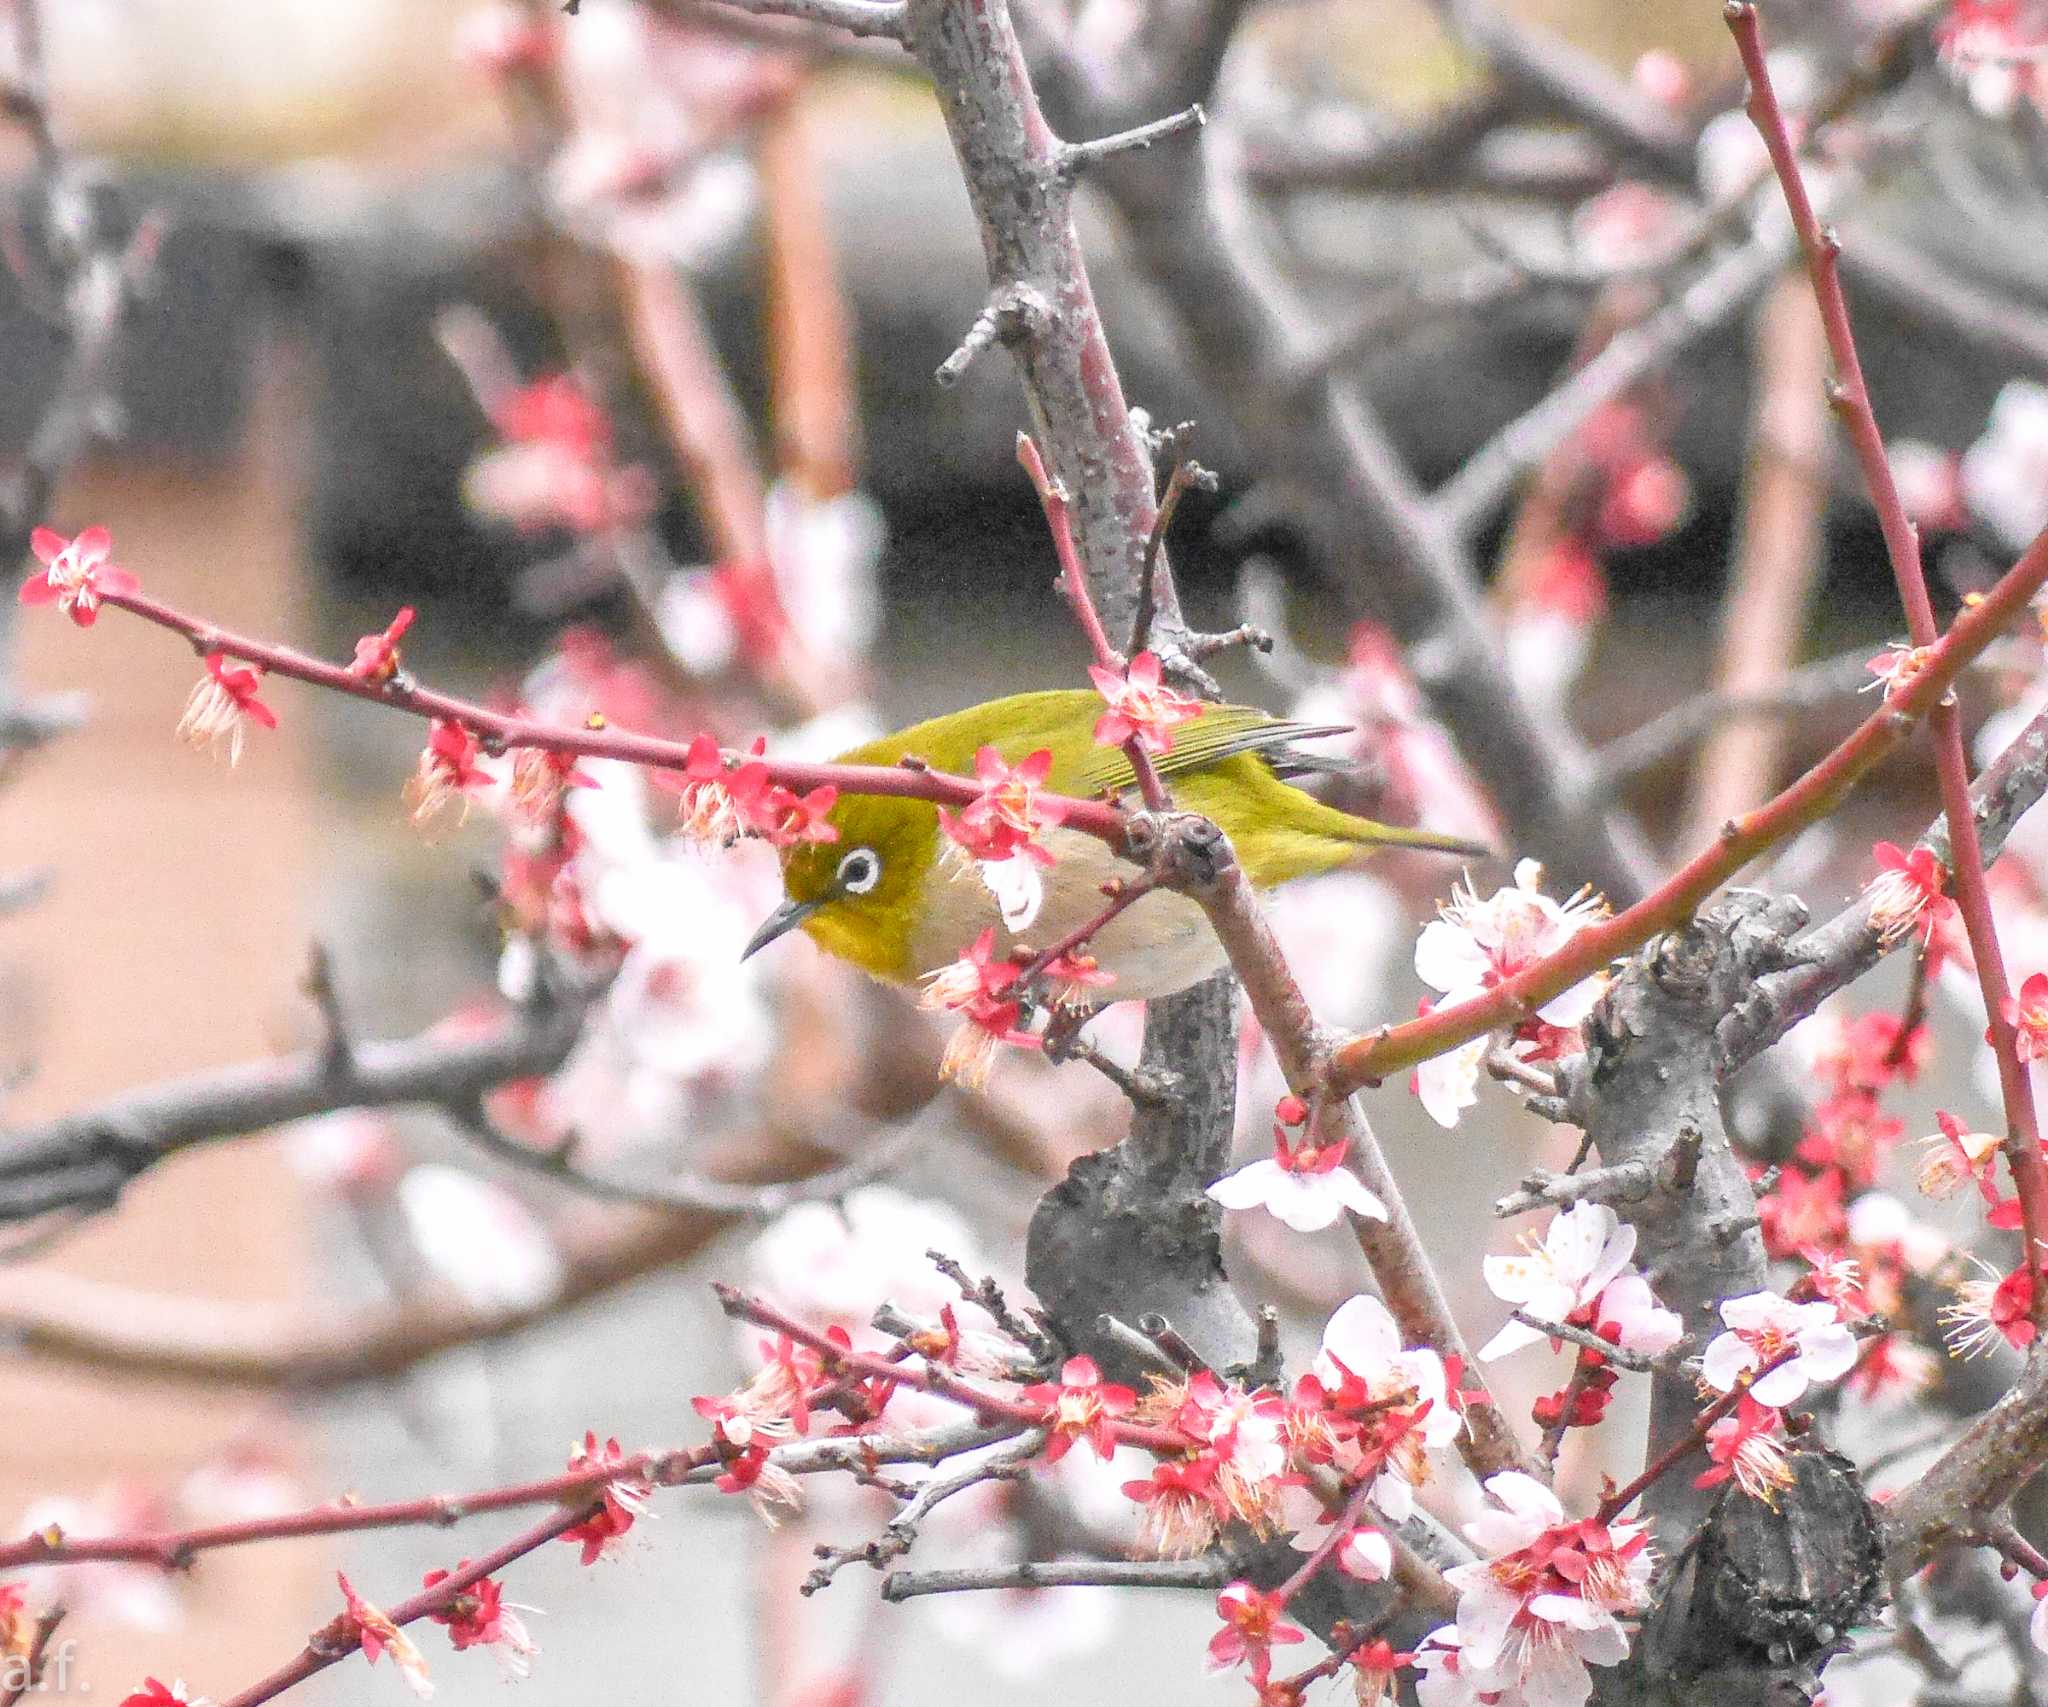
(479, 1239)
(1582, 1249)
(1362, 1344)
(1629, 1314)
(2005, 473)
(1307, 1186)
(1442, 1679)
(2037, 1626)
(1366, 1554)
(1763, 1327)
(1477, 944)
(1545, 1601)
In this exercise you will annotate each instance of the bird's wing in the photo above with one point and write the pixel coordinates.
(1221, 732)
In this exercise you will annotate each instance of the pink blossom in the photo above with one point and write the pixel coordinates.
(156, 1693)
(621, 1502)
(2027, 1014)
(1184, 1507)
(76, 574)
(448, 771)
(978, 987)
(1990, 1307)
(1363, 1375)
(1141, 707)
(1748, 1447)
(478, 1618)
(1897, 668)
(223, 704)
(1008, 816)
(1306, 1186)
(1628, 1314)
(374, 1629)
(1081, 1405)
(1366, 1553)
(376, 655)
(1254, 1623)
(1762, 1328)
(1907, 894)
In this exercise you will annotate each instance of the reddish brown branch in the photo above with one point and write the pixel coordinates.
(1851, 399)
(500, 730)
(1073, 585)
(1368, 1059)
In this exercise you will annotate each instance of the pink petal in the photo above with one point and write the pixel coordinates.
(47, 544)
(36, 590)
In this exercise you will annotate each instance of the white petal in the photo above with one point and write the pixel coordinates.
(1784, 1385)
(1727, 1356)
(1513, 1337)
(1525, 1496)
(1447, 958)
(1362, 1336)
(1447, 1085)
(1513, 1279)
(1353, 1193)
(1485, 1613)
(1755, 1310)
(1827, 1352)
(1395, 1498)
(1556, 1678)
(1249, 1187)
(1306, 1205)
(1575, 1006)
(1018, 886)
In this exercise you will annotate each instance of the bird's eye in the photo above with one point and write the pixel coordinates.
(860, 871)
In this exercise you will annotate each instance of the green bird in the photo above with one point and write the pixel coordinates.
(895, 898)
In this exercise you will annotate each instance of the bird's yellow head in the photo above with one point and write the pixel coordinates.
(858, 897)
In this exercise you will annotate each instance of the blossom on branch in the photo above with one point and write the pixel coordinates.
(1306, 1185)
(448, 772)
(1749, 1447)
(622, 1502)
(76, 574)
(1374, 1409)
(1254, 1624)
(156, 1693)
(1141, 707)
(1991, 1307)
(223, 704)
(374, 1629)
(1777, 1348)
(1475, 945)
(376, 657)
(1582, 1249)
(478, 1618)
(1007, 817)
(1908, 895)
(979, 988)
(1547, 1598)
(2027, 1014)
(1183, 1507)
(1080, 1405)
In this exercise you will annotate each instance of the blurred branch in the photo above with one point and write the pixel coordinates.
(1061, 1573)
(1670, 732)
(1778, 557)
(1467, 501)
(84, 1160)
(1558, 77)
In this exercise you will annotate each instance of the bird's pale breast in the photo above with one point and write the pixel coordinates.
(1160, 944)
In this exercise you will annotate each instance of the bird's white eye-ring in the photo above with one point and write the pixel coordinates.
(860, 871)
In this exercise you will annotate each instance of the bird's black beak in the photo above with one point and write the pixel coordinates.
(784, 919)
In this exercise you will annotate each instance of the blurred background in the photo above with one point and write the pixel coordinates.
(378, 224)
